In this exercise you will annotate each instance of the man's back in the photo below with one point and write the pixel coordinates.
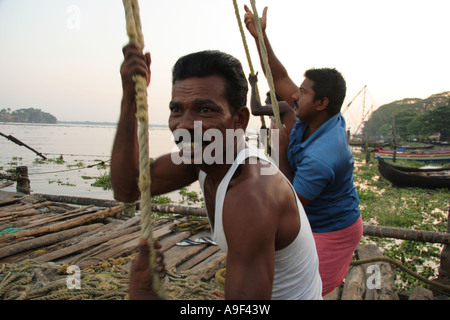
(324, 174)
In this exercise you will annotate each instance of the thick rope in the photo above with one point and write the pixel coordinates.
(134, 31)
(265, 61)
(247, 53)
(107, 280)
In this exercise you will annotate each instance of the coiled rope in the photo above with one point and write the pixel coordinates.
(134, 31)
(107, 280)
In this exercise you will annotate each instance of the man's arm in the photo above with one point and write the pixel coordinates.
(284, 86)
(250, 227)
(124, 158)
(287, 114)
(165, 175)
(267, 110)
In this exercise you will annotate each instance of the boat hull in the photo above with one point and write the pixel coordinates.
(428, 156)
(420, 178)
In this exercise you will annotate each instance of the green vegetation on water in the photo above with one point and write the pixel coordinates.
(410, 208)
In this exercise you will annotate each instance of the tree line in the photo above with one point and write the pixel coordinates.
(413, 118)
(29, 115)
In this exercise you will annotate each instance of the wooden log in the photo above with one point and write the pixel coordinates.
(177, 255)
(386, 288)
(171, 240)
(210, 266)
(114, 242)
(354, 286)
(63, 225)
(58, 254)
(444, 266)
(103, 230)
(6, 184)
(407, 234)
(8, 202)
(127, 246)
(420, 293)
(16, 214)
(79, 200)
(203, 255)
(51, 219)
(22, 207)
(44, 240)
(114, 248)
(181, 210)
(163, 208)
(23, 183)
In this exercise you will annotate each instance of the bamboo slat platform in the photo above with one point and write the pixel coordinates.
(41, 236)
(47, 232)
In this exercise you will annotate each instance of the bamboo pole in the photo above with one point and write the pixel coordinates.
(407, 234)
(45, 240)
(103, 214)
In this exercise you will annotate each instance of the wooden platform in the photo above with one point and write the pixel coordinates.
(41, 237)
(33, 228)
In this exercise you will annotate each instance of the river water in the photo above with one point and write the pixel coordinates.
(81, 147)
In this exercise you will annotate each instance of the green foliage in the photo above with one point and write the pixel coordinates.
(413, 117)
(103, 181)
(161, 200)
(29, 115)
(189, 196)
(410, 208)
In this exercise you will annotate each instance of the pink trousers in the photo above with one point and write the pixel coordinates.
(335, 250)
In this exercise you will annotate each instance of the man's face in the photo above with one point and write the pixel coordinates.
(305, 107)
(198, 105)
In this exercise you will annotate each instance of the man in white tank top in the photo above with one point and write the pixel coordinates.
(254, 212)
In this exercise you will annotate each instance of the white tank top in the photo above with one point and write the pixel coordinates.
(296, 275)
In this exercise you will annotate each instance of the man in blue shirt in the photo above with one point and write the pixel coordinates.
(318, 160)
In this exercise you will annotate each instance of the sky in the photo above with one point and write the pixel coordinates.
(64, 57)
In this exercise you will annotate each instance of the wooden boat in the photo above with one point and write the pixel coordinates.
(415, 177)
(416, 155)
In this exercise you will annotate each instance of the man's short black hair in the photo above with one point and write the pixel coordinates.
(212, 62)
(328, 83)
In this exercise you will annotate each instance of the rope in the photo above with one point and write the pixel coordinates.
(107, 280)
(133, 26)
(265, 61)
(247, 53)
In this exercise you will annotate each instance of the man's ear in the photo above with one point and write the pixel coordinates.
(322, 104)
(241, 118)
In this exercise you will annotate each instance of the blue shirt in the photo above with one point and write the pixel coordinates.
(323, 173)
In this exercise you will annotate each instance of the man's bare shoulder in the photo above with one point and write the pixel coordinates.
(258, 185)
